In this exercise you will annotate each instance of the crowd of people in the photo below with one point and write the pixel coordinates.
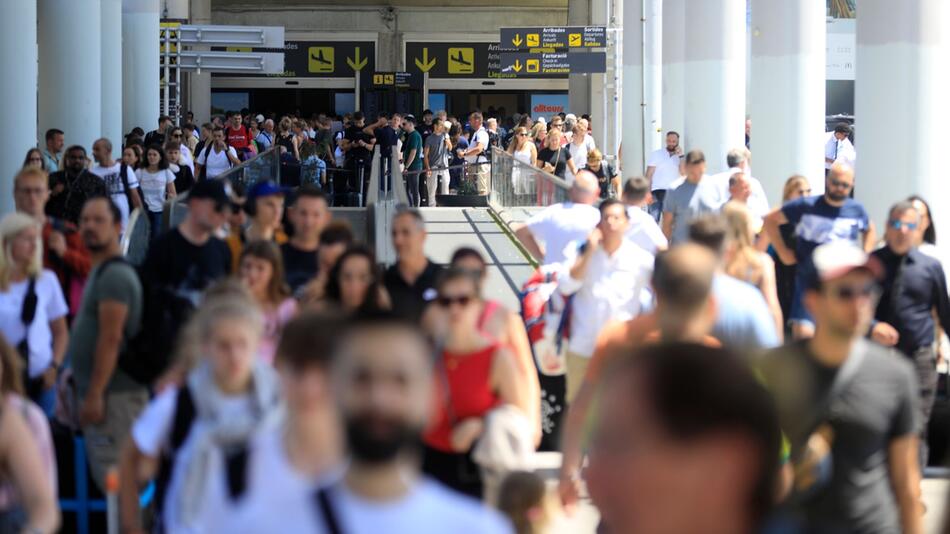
(262, 370)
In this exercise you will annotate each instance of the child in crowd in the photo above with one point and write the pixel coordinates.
(526, 501)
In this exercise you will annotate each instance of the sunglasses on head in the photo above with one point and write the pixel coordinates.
(446, 300)
(853, 292)
(898, 225)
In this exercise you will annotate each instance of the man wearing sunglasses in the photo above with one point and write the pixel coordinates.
(847, 406)
(817, 220)
(914, 286)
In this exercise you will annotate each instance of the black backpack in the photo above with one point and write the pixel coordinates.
(203, 173)
(148, 353)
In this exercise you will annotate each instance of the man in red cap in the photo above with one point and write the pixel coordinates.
(848, 407)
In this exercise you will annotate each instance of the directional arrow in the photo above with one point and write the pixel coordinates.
(355, 62)
(517, 40)
(517, 65)
(425, 65)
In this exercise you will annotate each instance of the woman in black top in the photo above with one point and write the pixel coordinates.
(555, 158)
(607, 178)
(286, 138)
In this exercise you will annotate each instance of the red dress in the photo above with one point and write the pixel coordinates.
(468, 377)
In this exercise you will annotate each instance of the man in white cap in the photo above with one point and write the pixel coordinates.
(847, 406)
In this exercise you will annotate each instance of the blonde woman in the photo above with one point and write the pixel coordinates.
(287, 139)
(795, 187)
(525, 152)
(744, 262)
(32, 307)
(579, 148)
(538, 133)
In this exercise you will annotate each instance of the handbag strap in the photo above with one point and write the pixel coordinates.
(327, 513)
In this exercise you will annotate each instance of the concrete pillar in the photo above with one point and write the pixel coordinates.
(715, 78)
(199, 85)
(578, 85)
(140, 63)
(601, 104)
(653, 71)
(787, 99)
(901, 110)
(18, 54)
(70, 73)
(674, 68)
(175, 9)
(112, 73)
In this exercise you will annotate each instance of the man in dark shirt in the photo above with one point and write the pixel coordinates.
(384, 130)
(309, 215)
(844, 400)
(411, 280)
(72, 186)
(187, 259)
(914, 286)
(358, 148)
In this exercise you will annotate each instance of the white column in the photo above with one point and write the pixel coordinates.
(17, 93)
(633, 97)
(901, 109)
(199, 85)
(598, 91)
(715, 78)
(70, 74)
(674, 69)
(112, 73)
(653, 73)
(787, 99)
(140, 64)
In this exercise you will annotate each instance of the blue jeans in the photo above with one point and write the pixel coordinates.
(155, 224)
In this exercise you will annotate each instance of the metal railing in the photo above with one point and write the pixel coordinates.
(264, 166)
(517, 184)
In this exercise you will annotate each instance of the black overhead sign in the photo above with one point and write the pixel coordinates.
(321, 59)
(554, 37)
(526, 64)
(391, 80)
(456, 60)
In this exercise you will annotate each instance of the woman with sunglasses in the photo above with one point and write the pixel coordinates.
(525, 152)
(34, 158)
(498, 323)
(476, 374)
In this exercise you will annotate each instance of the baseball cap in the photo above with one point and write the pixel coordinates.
(259, 118)
(265, 188)
(211, 190)
(838, 258)
(409, 118)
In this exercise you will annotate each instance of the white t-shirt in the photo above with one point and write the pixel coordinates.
(186, 158)
(50, 305)
(667, 168)
(578, 156)
(115, 187)
(644, 231)
(278, 498)
(151, 433)
(216, 162)
(480, 136)
(155, 187)
(560, 224)
(429, 508)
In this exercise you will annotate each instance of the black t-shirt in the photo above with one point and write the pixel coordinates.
(878, 403)
(184, 179)
(353, 134)
(558, 158)
(604, 174)
(300, 266)
(386, 138)
(176, 264)
(68, 193)
(409, 302)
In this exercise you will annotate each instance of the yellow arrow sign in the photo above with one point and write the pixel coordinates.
(425, 65)
(355, 62)
(517, 65)
(517, 40)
